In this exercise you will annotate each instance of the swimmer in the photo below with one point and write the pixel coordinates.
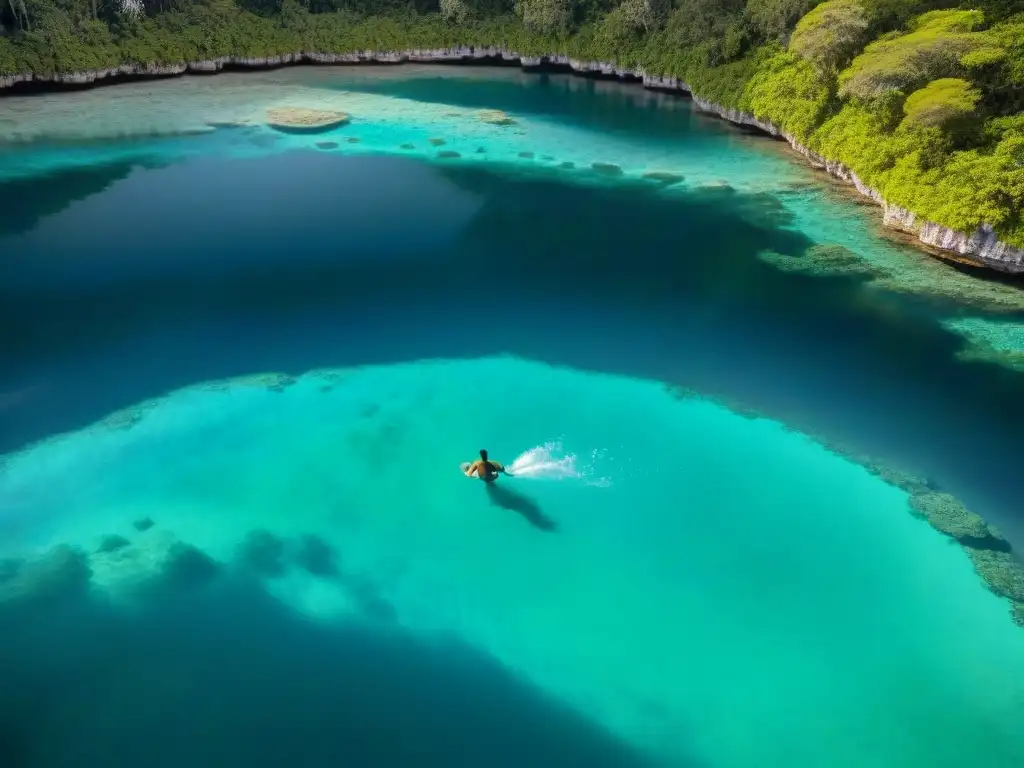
(486, 469)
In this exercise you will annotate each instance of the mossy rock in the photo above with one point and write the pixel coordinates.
(63, 572)
(142, 524)
(327, 145)
(262, 552)
(495, 117)
(608, 169)
(1003, 573)
(526, 155)
(948, 515)
(111, 543)
(305, 119)
(447, 154)
(437, 142)
(664, 177)
(353, 139)
(315, 556)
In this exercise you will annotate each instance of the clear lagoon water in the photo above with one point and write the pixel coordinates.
(241, 368)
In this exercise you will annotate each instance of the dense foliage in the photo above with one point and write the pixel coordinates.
(923, 99)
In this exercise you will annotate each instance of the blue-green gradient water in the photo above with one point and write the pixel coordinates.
(276, 349)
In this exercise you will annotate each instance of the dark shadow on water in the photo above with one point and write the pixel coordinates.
(605, 278)
(514, 501)
(229, 676)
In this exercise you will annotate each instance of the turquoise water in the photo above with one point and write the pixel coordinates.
(695, 602)
(303, 574)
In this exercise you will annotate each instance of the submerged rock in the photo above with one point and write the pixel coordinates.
(664, 177)
(160, 561)
(143, 524)
(127, 417)
(112, 542)
(61, 573)
(302, 118)
(1018, 614)
(327, 145)
(567, 165)
(948, 515)
(526, 155)
(480, 150)
(495, 117)
(448, 154)
(262, 552)
(274, 382)
(1003, 573)
(315, 556)
(608, 169)
(188, 566)
(437, 142)
(353, 139)
(407, 146)
(822, 260)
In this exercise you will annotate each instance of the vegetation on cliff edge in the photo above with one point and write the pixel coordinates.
(923, 99)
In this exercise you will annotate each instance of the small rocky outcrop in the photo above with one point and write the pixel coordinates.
(1001, 571)
(607, 169)
(327, 145)
(948, 515)
(305, 119)
(262, 553)
(448, 154)
(495, 117)
(823, 260)
(61, 573)
(437, 142)
(142, 524)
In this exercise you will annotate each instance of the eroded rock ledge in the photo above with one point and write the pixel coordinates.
(980, 247)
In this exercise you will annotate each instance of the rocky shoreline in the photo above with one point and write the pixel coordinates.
(981, 247)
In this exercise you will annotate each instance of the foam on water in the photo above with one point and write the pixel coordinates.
(549, 462)
(748, 598)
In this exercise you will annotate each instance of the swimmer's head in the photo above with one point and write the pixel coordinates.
(483, 454)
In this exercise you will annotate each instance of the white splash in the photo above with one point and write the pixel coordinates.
(550, 462)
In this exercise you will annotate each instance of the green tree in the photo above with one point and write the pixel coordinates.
(775, 19)
(645, 15)
(947, 103)
(938, 45)
(830, 34)
(545, 17)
